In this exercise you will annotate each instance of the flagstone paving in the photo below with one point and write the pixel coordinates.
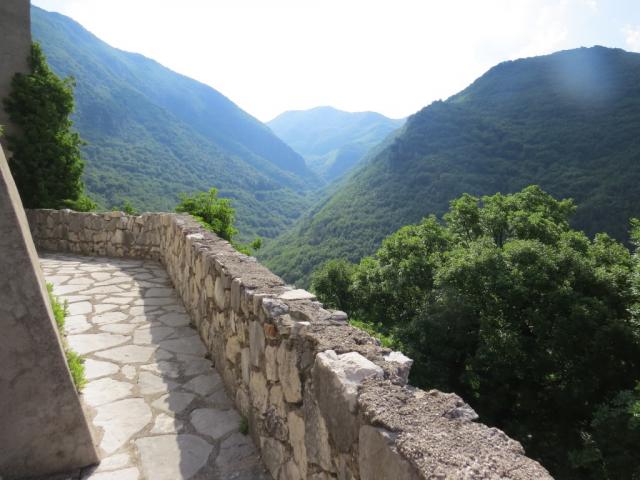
(158, 408)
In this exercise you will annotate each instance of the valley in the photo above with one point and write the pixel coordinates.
(493, 236)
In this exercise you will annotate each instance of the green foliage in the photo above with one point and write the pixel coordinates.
(523, 122)
(215, 213)
(76, 367)
(45, 160)
(256, 244)
(527, 319)
(128, 208)
(59, 309)
(375, 331)
(332, 284)
(74, 361)
(153, 133)
(613, 438)
(82, 204)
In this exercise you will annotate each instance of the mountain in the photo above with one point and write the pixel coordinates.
(332, 141)
(152, 133)
(568, 122)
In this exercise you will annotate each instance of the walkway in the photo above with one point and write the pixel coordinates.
(159, 409)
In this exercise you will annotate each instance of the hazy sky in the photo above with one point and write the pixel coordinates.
(391, 56)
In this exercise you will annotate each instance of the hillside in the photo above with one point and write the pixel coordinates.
(332, 141)
(568, 122)
(153, 133)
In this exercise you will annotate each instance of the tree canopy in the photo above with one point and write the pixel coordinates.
(523, 122)
(45, 152)
(530, 321)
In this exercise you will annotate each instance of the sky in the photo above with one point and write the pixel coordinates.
(389, 56)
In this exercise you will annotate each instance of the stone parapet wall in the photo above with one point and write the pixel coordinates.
(111, 234)
(323, 399)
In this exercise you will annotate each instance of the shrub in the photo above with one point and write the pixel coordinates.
(74, 361)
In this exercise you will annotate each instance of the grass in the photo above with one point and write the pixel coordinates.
(385, 340)
(74, 361)
(76, 367)
(60, 310)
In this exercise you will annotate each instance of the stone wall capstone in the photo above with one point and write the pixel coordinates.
(323, 399)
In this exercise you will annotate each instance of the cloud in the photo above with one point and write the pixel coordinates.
(632, 37)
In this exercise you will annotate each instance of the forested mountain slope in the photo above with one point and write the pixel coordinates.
(568, 122)
(332, 141)
(152, 133)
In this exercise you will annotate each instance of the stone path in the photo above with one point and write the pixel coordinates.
(159, 409)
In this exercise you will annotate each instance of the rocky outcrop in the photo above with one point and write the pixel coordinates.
(323, 399)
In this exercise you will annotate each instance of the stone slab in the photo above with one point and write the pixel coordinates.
(215, 423)
(172, 457)
(120, 421)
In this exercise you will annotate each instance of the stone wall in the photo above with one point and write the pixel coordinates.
(324, 400)
(15, 25)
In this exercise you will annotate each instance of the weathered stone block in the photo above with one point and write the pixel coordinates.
(271, 364)
(402, 365)
(259, 391)
(236, 291)
(218, 293)
(275, 425)
(297, 295)
(209, 286)
(274, 455)
(243, 404)
(297, 440)
(232, 350)
(273, 308)
(290, 471)
(317, 444)
(270, 331)
(288, 374)
(276, 399)
(379, 458)
(256, 342)
(335, 380)
(245, 365)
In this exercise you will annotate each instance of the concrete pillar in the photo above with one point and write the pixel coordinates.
(15, 47)
(43, 429)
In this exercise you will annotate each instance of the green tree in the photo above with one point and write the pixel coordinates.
(45, 160)
(530, 321)
(332, 284)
